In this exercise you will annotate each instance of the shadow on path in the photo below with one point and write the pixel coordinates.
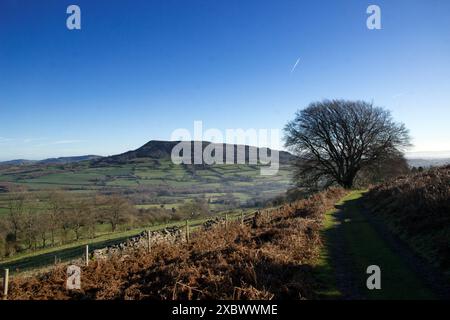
(354, 241)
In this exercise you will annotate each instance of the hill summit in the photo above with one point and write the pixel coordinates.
(157, 149)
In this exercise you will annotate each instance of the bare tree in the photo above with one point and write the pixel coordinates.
(197, 207)
(117, 211)
(31, 228)
(65, 223)
(16, 211)
(335, 139)
(91, 216)
(56, 201)
(43, 226)
(4, 231)
(76, 217)
(81, 217)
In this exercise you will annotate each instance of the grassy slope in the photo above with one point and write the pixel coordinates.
(269, 258)
(45, 257)
(364, 247)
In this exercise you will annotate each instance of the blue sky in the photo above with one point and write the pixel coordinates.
(137, 70)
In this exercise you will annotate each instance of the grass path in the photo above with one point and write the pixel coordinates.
(351, 245)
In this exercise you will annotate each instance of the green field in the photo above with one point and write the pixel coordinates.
(156, 187)
(150, 182)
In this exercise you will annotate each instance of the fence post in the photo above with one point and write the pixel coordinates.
(5, 284)
(187, 231)
(87, 255)
(148, 240)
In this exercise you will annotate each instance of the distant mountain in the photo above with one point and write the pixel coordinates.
(163, 149)
(60, 160)
(428, 162)
(18, 162)
(64, 160)
(156, 149)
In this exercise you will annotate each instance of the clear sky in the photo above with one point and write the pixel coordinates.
(137, 70)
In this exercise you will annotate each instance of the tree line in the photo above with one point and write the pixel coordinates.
(38, 220)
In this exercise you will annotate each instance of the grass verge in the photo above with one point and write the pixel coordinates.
(363, 246)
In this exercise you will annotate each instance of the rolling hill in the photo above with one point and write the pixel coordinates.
(149, 178)
(428, 162)
(60, 160)
(163, 149)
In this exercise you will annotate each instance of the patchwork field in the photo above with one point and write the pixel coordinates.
(151, 182)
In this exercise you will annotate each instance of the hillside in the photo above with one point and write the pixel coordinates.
(162, 150)
(426, 163)
(149, 179)
(417, 209)
(17, 162)
(314, 248)
(60, 160)
(270, 257)
(64, 160)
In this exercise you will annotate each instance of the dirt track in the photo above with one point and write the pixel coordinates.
(359, 240)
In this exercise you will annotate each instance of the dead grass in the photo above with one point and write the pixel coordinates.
(269, 258)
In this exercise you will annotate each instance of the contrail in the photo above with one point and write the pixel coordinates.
(295, 65)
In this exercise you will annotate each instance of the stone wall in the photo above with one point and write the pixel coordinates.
(168, 235)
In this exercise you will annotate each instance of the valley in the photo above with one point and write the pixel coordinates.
(150, 179)
(54, 206)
